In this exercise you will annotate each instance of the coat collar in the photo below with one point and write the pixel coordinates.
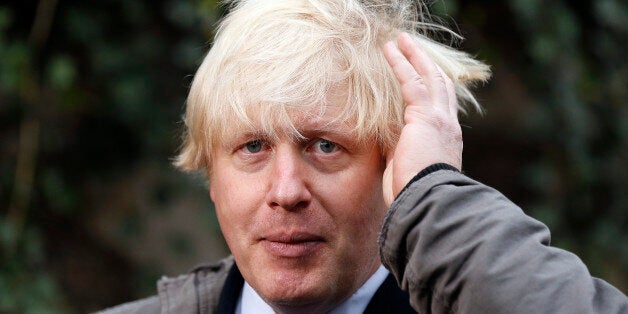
(389, 298)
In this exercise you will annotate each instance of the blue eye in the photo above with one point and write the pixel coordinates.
(254, 146)
(326, 146)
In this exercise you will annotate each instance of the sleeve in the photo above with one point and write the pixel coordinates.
(459, 246)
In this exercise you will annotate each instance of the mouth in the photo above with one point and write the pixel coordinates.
(292, 245)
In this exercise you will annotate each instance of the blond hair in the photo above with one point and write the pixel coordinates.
(270, 57)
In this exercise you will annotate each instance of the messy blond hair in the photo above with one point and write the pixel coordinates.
(271, 57)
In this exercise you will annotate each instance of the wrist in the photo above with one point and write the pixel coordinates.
(429, 169)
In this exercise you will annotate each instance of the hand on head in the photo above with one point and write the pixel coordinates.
(431, 133)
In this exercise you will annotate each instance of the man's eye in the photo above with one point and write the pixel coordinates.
(326, 146)
(254, 146)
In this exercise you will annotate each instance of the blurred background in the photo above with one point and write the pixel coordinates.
(91, 96)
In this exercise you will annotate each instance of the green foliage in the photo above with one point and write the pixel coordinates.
(580, 55)
(87, 94)
(24, 286)
(89, 119)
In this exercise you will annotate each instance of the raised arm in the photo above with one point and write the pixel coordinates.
(455, 244)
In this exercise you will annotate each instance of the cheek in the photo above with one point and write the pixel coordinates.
(234, 191)
(362, 202)
(235, 202)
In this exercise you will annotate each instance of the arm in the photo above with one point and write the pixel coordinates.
(459, 246)
(455, 244)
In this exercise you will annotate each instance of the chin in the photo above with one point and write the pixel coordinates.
(293, 292)
(302, 304)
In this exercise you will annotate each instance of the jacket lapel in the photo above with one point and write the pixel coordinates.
(230, 291)
(389, 298)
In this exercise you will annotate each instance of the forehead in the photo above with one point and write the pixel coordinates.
(293, 120)
(291, 123)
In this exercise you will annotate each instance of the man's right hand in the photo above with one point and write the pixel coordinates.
(431, 133)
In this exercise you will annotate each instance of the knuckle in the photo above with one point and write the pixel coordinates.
(413, 93)
(439, 120)
(416, 79)
(445, 122)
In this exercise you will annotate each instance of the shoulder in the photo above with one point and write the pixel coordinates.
(146, 305)
(204, 273)
(200, 287)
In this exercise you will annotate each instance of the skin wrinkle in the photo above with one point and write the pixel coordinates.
(291, 187)
(341, 43)
(301, 222)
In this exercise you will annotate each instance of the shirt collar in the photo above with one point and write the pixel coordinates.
(250, 302)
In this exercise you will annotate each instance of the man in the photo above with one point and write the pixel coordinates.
(311, 119)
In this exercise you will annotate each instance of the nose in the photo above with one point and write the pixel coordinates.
(288, 180)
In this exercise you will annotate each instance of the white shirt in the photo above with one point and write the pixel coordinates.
(250, 302)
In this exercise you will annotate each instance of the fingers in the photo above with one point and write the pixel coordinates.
(422, 82)
(417, 57)
(423, 64)
(413, 88)
(451, 95)
(431, 133)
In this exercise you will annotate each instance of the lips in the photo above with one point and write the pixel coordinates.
(292, 245)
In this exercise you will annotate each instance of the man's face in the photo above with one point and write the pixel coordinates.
(301, 217)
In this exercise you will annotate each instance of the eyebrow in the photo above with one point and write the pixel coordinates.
(334, 134)
(230, 140)
(308, 130)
